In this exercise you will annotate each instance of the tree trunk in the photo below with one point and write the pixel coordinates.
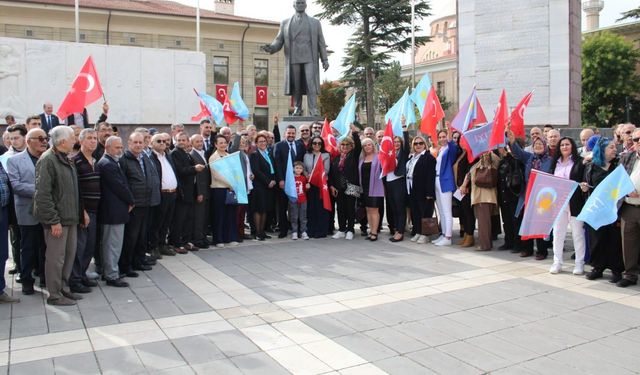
(368, 71)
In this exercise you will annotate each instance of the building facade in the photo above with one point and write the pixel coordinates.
(230, 43)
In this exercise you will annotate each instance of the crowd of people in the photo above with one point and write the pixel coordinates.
(71, 194)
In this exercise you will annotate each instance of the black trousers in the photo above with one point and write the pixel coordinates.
(346, 207)
(182, 223)
(14, 230)
(224, 217)
(32, 249)
(527, 245)
(135, 239)
(420, 207)
(160, 220)
(317, 216)
(508, 211)
(467, 216)
(605, 247)
(282, 206)
(396, 192)
(200, 220)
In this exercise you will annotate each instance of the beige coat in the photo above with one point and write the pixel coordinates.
(484, 195)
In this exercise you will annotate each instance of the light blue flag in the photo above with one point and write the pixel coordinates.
(213, 106)
(421, 92)
(4, 159)
(290, 182)
(346, 117)
(230, 168)
(403, 106)
(237, 104)
(602, 206)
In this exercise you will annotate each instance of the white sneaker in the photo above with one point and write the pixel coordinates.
(233, 243)
(435, 242)
(220, 245)
(294, 236)
(578, 269)
(338, 235)
(444, 242)
(349, 236)
(555, 268)
(422, 239)
(92, 275)
(415, 238)
(305, 236)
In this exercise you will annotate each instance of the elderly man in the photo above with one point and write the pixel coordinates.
(585, 134)
(305, 136)
(203, 179)
(147, 140)
(534, 134)
(626, 135)
(175, 130)
(22, 174)
(630, 217)
(553, 139)
(162, 214)
(47, 118)
(89, 187)
(5, 197)
(368, 133)
(186, 170)
(144, 183)
(113, 213)
(56, 204)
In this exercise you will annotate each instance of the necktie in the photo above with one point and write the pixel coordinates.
(49, 120)
(206, 143)
(292, 149)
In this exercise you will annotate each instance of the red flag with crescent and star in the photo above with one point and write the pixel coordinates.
(261, 95)
(330, 143)
(387, 154)
(499, 122)
(432, 114)
(517, 116)
(85, 89)
(318, 178)
(221, 93)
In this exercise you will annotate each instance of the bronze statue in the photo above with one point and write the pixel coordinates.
(301, 36)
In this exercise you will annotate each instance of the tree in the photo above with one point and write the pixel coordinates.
(633, 13)
(331, 99)
(383, 27)
(609, 79)
(389, 87)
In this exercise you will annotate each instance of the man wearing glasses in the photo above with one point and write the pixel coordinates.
(626, 133)
(22, 174)
(316, 129)
(305, 136)
(630, 217)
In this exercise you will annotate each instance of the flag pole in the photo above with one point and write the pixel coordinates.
(413, 45)
(77, 18)
(198, 26)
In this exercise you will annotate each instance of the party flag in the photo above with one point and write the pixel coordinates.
(500, 122)
(234, 107)
(230, 168)
(421, 92)
(403, 107)
(346, 117)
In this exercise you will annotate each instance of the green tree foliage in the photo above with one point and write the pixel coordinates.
(633, 13)
(383, 27)
(331, 99)
(389, 87)
(609, 79)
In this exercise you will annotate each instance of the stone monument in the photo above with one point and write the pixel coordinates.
(519, 46)
(304, 46)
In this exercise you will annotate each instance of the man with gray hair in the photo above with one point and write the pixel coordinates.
(147, 139)
(56, 205)
(175, 130)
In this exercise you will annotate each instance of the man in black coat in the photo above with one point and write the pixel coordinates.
(48, 120)
(115, 205)
(186, 170)
(203, 180)
(288, 146)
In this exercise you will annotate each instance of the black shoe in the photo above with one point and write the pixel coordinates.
(266, 237)
(149, 261)
(142, 267)
(79, 288)
(615, 277)
(393, 239)
(71, 296)
(18, 279)
(515, 251)
(506, 247)
(27, 289)
(594, 274)
(13, 271)
(131, 274)
(282, 235)
(626, 282)
(119, 283)
(90, 283)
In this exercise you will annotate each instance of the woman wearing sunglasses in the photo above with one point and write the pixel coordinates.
(421, 186)
(317, 216)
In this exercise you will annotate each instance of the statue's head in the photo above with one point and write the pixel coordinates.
(300, 5)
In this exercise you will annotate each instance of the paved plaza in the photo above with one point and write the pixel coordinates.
(332, 307)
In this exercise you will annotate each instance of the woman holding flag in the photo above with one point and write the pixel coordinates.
(317, 215)
(396, 185)
(223, 222)
(264, 181)
(446, 151)
(344, 181)
(605, 243)
(372, 187)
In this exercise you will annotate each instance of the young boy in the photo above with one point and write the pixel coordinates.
(298, 210)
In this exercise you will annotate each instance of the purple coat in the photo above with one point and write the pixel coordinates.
(376, 187)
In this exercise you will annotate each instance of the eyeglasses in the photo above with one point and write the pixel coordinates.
(346, 144)
(628, 132)
(317, 143)
(637, 139)
(41, 139)
(418, 143)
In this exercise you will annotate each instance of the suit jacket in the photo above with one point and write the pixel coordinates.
(351, 172)
(185, 169)
(55, 121)
(424, 177)
(115, 195)
(281, 153)
(261, 171)
(447, 179)
(22, 174)
(212, 145)
(203, 179)
(403, 155)
(156, 163)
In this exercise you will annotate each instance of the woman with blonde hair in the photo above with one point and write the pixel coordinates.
(421, 186)
(372, 188)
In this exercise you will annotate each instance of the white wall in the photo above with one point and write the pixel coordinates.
(141, 85)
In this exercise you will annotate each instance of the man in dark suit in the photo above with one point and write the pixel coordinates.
(282, 150)
(47, 118)
(186, 170)
(208, 137)
(113, 213)
(203, 180)
(82, 119)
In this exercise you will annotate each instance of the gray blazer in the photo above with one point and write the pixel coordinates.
(22, 174)
(309, 163)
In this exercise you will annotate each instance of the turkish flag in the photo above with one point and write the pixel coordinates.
(387, 154)
(330, 143)
(318, 178)
(261, 95)
(85, 90)
(221, 93)
(499, 122)
(230, 116)
(432, 114)
(204, 112)
(517, 116)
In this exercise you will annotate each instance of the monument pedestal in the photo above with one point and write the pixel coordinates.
(297, 121)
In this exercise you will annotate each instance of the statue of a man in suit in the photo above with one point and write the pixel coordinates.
(301, 36)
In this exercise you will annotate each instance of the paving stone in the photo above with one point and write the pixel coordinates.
(44, 366)
(442, 363)
(119, 361)
(402, 366)
(181, 370)
(98, 317)
(425, 333)
(258, 364)
(221, 367)
(159, 355)
(29, 326)
(130, 312)
(365, 347)
(64, 321)
(191, 304)
(233, 343)
(161, 308)
(395, 340)
(198, 349)
(328, 326)
(357, 320)
(84, 363)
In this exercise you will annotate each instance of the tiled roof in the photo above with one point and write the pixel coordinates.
(163, 7)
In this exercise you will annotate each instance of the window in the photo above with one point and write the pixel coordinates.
(221, 70)
(132, 40)
(445, 31)
(178, 43)
(261, 118)
(261, 70)
(83, 36)
(440, 88)
(28, 33)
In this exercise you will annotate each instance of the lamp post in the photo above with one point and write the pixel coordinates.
(77, 17)
(413, 44)
(198, 26)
